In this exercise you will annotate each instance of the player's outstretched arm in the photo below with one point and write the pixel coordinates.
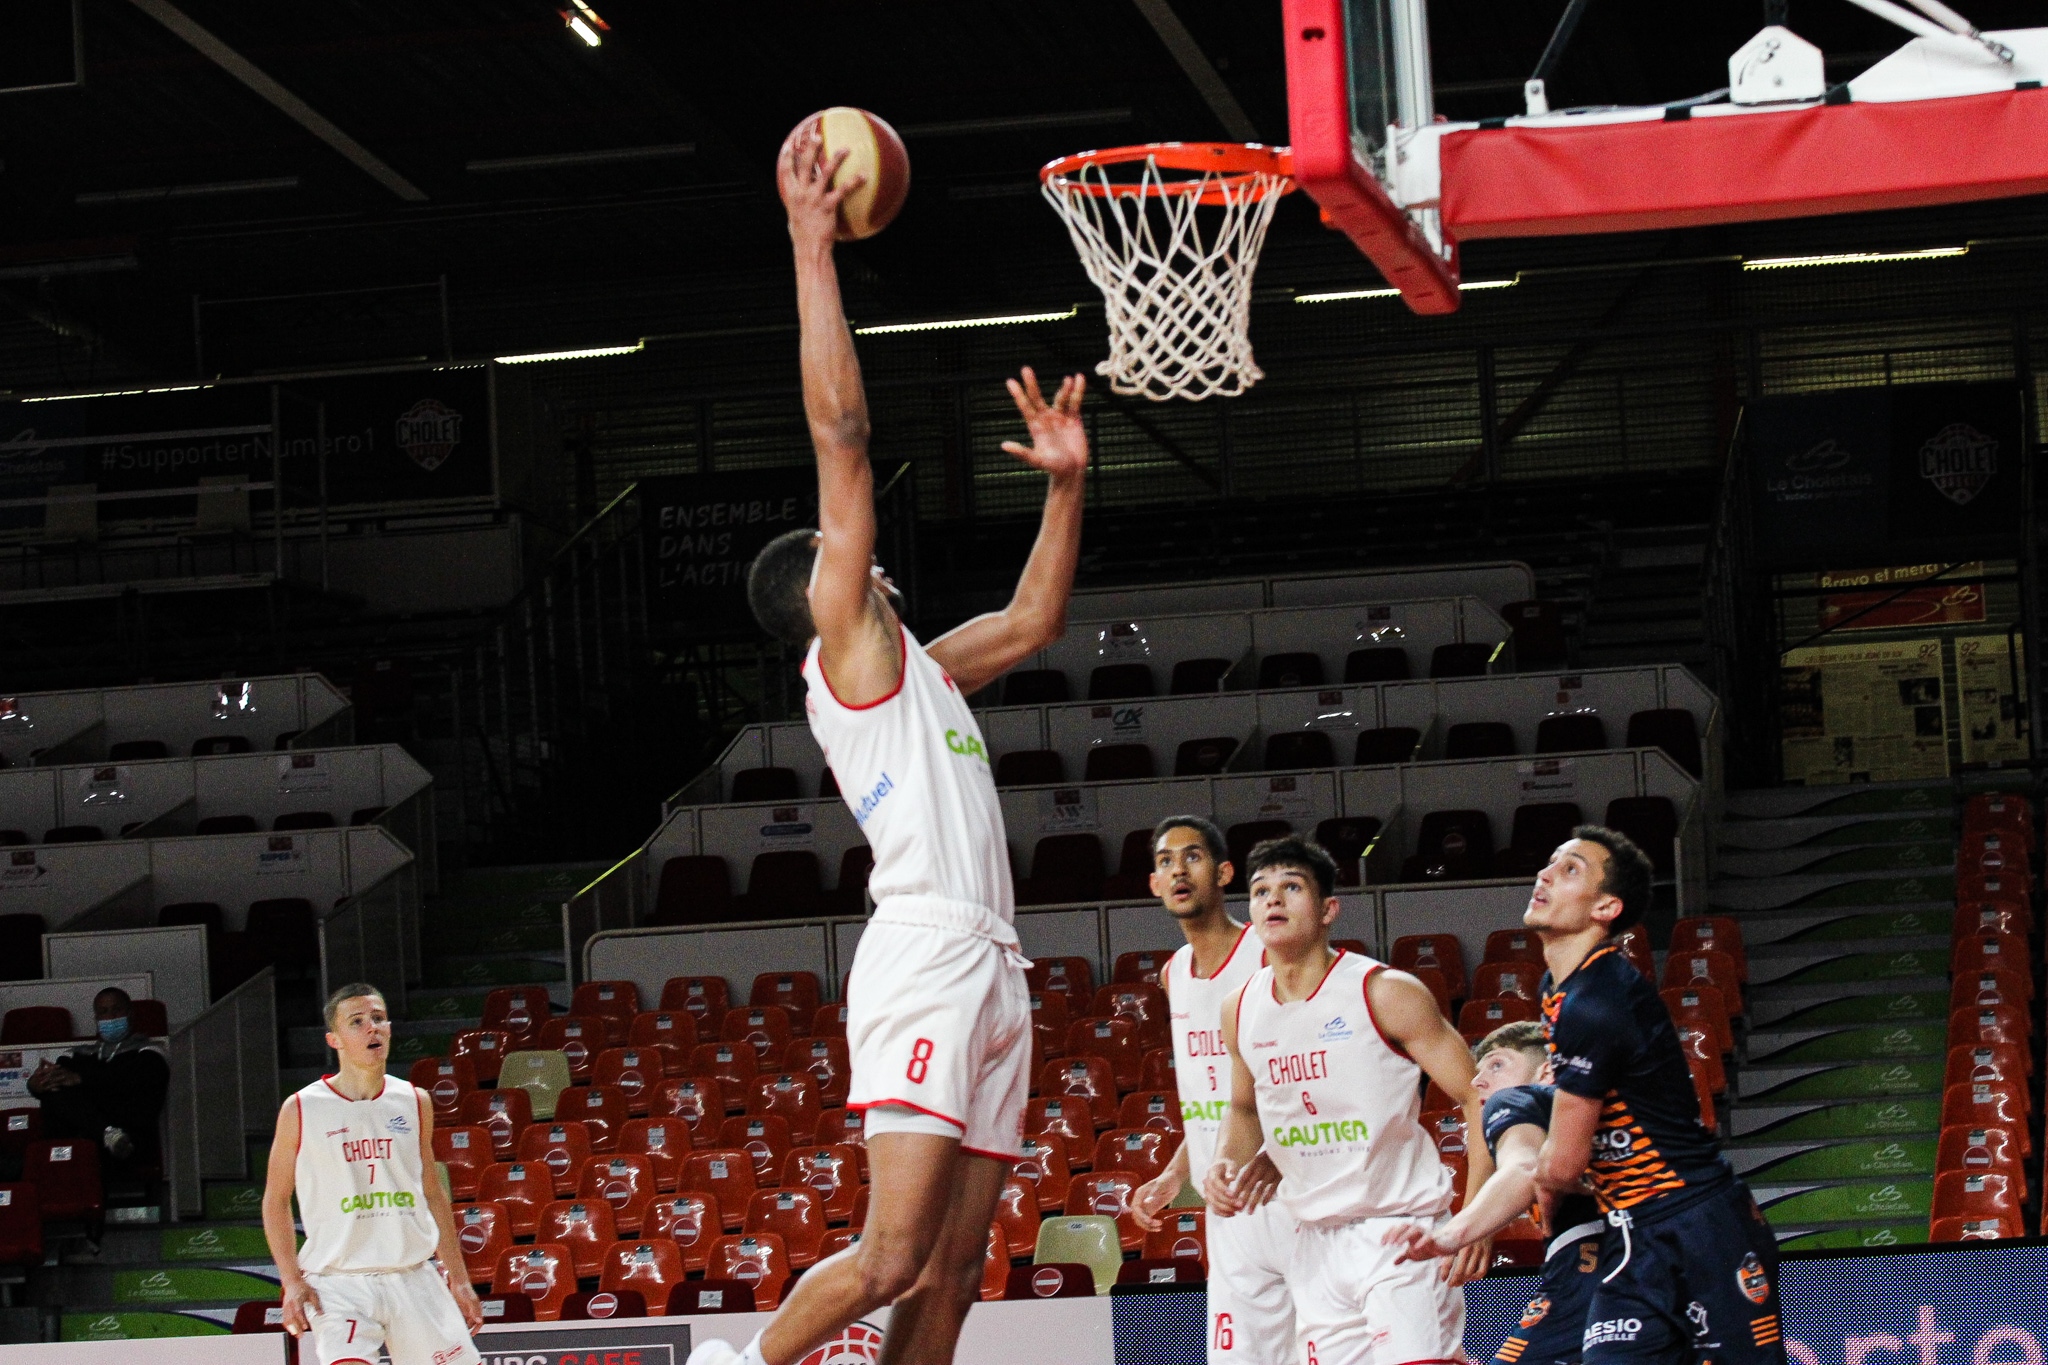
(1569, 1148)
(1226, 1186)
(1407, 1013)
(449, 1242)
(1504, 1198)
(860, 658)
(300, 1300)
(979, 651)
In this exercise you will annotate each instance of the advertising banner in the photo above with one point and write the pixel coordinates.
(702, 531)
(1879, 604)
(1863, 713)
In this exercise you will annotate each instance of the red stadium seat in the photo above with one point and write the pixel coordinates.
(67, 1176)
(29, 1024)
(1070, 976)
(1050, 1008)
(674, 1032)
(695, 1297)
(521, 1189)
(704, 998)
(1184, 1235)
(578, 1037)
(764, 1138)
(691, 1220)
(699, 1101)
(18, 1128)
(1158, 1109)
(832, 1173)
(728, 1175)
(827, 1064)
(1163, 1272)
(601, 1109)
(1491, 980)
(1043, 1165)
(625, 1181)
(663, 1141)
(258, 1316)
(21, 1225)
(766, 1027)
(1635, 946)
(1978, 952)
(2009, 916)
(1439, 988)
(798, 993)
(1982, 1150)
(1143, 1152)
(1700, 1006)
(756, 1260)
(1996, 986)
(844, 1125)
(1991, 1229)
(1050, 1280)
(1976, 1194)
(829, 1021)
(465, 1151)
(792, 1096)
(506, 1113)
(1991, 1024)
(559, 1148)
(1971, 1063)
(446, 1080)
(485, 1231)
(1706, 967)
(633, 1072)
(1144, 1006)
(1017, 1217)
(545, 1273)
(584, 1226)
(837, 1240)
(1477, 1018)
(1142, 966)
(995, 1265)
(519, 1011)
(1447, 1129)
(1703, 1054)
(614, 1002)
(1090, 1076)
(484, 1049)
(734, 1064)
(652, 1269)
(693, 889)
(793, 1215)
(1069, 1116)
(1108, 1193)
(1995, 1104)
(1513, 945)
(1441, 951)
(1716, 932)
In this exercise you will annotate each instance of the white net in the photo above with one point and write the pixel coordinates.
(1179, 304)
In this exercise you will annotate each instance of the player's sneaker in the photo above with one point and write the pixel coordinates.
(714, 1352)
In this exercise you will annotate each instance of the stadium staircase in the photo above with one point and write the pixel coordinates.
(1846, 900)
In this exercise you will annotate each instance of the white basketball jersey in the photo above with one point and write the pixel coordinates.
(360, 1181)
(1201, 1065)
(914, 770)
(1340, 1104)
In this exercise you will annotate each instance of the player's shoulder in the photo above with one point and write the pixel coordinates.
(1516, 1105)
(1605, 981)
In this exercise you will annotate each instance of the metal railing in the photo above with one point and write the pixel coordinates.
(224, 1089)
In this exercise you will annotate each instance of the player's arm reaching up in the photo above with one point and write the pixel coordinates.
(1408, 1015)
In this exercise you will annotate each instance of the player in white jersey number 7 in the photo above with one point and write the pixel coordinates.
(938, 1020)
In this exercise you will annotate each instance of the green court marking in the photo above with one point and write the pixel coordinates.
(214, 1244)
(235, 1202)
(1872, 1009)
(1893, 1201)
(189, 1286)
(136, 1326)
(1884, 858)
(1883, 1235)
(1861, 928)
(1920, 829)
(1869, 1081)
(1862, 1044)
(1872, 1119)
(1870, 967)
(1853, 1161)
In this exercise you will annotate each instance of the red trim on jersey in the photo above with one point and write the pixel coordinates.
(918, 1108)
(1341, 952)
(1197, 975)
(417, 1109)
(383, 1085)
(902, 667)
(1365, 989)
(300, 1145)
(1007, 1158)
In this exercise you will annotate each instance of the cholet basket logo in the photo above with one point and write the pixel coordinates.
(1959, 461)
(429, 431)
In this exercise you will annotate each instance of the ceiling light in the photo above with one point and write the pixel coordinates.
(584, 22)
(548, 160)
(587, 353)
(1001, 321)
(1345, 295)
(114, 393)
(282, 182)
(583, 30)
(1933, 253)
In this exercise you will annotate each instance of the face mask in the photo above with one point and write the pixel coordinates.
(112, 1030)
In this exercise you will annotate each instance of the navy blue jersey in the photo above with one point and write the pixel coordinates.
(1531, 1104)
(1611, 1040)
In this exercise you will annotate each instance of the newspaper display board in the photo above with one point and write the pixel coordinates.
(1989, 670)
(1864, 712)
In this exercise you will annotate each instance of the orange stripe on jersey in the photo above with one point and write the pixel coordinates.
(1641, 1175)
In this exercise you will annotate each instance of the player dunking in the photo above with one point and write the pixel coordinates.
(1328, 1050)
(1251, 1318)
(1513, 1079)
(1688, 1265)
(356, 1147)
(938, 1017)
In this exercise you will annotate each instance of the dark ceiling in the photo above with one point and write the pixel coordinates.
(427, 252)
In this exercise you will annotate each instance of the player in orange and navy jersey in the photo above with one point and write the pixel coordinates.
(1688, 1265)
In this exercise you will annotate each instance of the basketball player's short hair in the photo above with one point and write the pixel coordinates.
(778, 586)
(1212, 837)
(1525, 1036)
(1629, 874)
(1302, 855)
(346, 993)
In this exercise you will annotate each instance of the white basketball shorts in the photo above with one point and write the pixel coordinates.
(409, 1313)
(938, 1025)
(1251, 1314)
(1354, 1306)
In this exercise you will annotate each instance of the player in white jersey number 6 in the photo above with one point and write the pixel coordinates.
(357, 1148)
(938, 1019)
(1328, 1050)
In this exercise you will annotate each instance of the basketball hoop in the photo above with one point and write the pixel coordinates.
(1179, 303)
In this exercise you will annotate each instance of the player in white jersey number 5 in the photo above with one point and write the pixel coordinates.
(1251, 1317)
(1328, 1050)
(357, 1148)
(938, 1020)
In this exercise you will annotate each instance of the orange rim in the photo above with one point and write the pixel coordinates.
(1220, 167)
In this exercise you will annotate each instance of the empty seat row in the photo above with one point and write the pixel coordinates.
(34, 1025)
(697, 888)
(212, 824)
(1121, 681)
(1458, 845)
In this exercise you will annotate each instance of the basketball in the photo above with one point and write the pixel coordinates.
(875, 153)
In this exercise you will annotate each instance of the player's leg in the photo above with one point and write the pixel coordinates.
(925, 1323)
(1554, 1324)
(1731, 1278)
(1637, 1312)
(1251, 1313)
(913, 1179)
(349, 1326)
(422, 1324)
(1412, 1315)
(1329, 1300)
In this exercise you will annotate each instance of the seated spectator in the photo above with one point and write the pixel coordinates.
(111, 1093)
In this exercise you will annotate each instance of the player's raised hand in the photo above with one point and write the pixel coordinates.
(1219, 1189)
(301, 1306)
(1059, 439)
(805, 179)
